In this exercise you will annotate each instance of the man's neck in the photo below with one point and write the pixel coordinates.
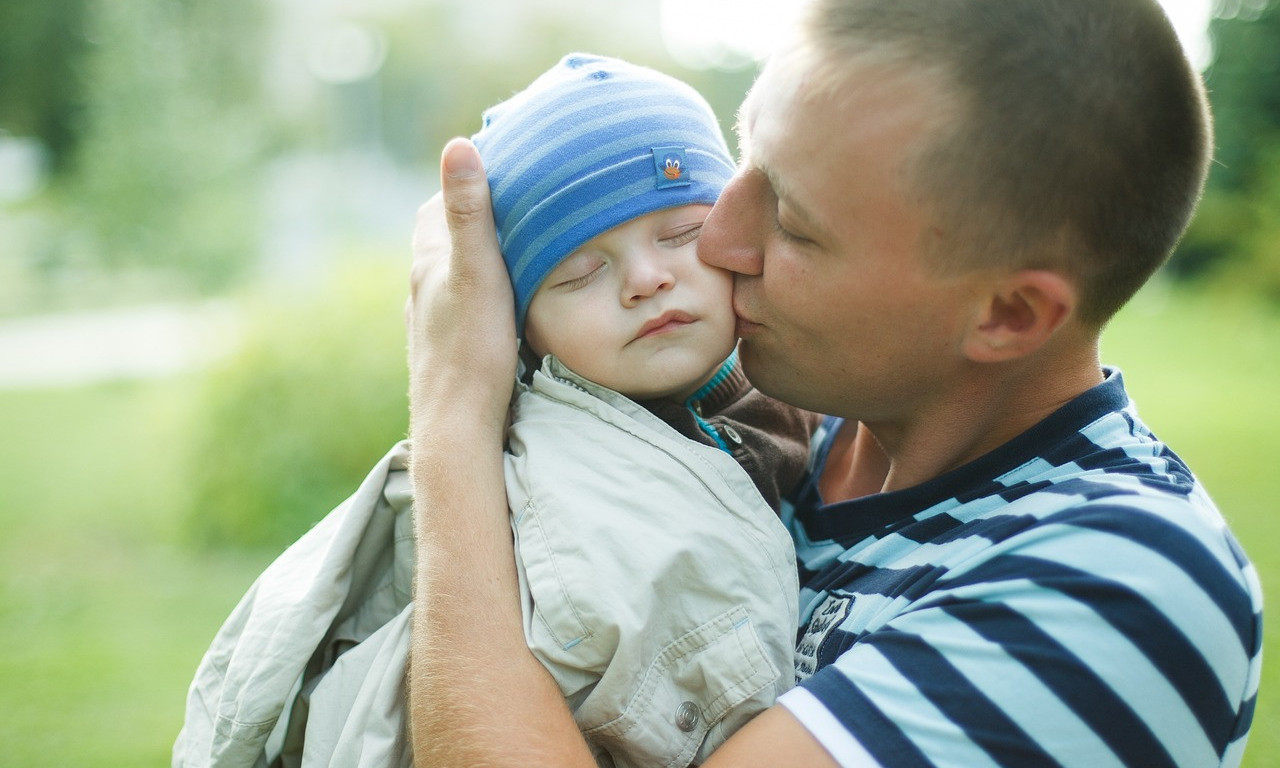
(870, 458)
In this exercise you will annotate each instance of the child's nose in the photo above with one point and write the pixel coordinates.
(645, 278)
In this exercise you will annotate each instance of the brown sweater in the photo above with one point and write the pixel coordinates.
(770, 439)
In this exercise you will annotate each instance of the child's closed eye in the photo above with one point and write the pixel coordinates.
(683, 236)
(576, 271)
(579, 282)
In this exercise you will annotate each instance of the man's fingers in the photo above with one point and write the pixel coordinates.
(461, 314)
(457, 272)
(429, 213)
(466, 199)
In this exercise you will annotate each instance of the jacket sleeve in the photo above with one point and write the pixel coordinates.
(245, 688)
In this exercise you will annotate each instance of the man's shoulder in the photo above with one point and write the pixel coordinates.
(1113, 457)
(1113, 491)
(1101, 585)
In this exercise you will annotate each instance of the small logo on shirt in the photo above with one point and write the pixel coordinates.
(827, 617)
(671, 167)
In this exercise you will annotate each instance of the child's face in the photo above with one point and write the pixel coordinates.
(635, 310)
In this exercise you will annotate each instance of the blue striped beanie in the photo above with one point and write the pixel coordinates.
(594, 142)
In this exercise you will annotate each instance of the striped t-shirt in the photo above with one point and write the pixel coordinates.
(1072, 598)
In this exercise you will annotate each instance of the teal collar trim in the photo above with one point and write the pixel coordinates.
(726, 368)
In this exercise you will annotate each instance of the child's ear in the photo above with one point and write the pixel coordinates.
(1019, 315)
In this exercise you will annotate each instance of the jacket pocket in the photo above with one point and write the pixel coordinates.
(561, 627)
(688, 688)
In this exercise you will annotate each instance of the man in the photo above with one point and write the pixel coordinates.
(938, 208)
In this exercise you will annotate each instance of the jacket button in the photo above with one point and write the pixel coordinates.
(732, 434)
(687, 716)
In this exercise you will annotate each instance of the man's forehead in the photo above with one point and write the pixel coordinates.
(766, 95)
(814, 125)
(779, 67)
(765, 118)
(745, 116)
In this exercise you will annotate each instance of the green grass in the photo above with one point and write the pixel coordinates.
(104, 612)
(103, 617)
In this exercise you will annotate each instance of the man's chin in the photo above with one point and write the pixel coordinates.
(757, 364)
(772, 375)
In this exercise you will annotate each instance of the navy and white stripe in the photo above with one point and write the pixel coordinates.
(1073, 598)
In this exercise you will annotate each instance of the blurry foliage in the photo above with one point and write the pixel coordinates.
(286, 428)
(1234, 240)
(163, 117)
(1243, 87)
(165, 175)
(436, 86)
(42, 46)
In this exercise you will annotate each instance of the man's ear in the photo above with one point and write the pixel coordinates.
(1019, 314)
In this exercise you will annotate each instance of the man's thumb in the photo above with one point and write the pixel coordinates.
(466, 191)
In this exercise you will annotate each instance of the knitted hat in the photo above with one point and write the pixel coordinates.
(594, 142)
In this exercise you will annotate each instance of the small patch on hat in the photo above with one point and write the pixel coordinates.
(670, 167)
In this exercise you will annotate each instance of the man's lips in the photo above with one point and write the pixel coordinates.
(744, 324)
(667, 321)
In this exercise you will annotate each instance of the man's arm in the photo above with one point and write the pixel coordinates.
(477, 695)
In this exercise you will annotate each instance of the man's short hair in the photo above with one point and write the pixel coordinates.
(1083, 135)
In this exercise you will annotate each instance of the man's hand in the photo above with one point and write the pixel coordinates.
(461, 314)
(477, 695)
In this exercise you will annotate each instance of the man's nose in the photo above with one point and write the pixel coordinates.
(732, 237)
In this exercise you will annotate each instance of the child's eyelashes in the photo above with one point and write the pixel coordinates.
(683, 237)
(580, 277)
(584, 267)
(576, 271)
(579, 282)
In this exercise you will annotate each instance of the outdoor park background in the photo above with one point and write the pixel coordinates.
(204, 221)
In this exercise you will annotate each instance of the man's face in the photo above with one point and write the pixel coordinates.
(825, 231)
(635, 310)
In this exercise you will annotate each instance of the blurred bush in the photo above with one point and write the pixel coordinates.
(42, 49)
(284, 429)
(175, 133)
(1234, 241)
(1236, 236)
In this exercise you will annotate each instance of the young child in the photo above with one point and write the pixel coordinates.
(602, 173)
(640, 463)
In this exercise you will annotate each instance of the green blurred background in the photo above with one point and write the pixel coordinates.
(204, 216)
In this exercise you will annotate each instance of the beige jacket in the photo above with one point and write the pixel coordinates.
(658, 588)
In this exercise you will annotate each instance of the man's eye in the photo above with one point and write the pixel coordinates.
(787, 234)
